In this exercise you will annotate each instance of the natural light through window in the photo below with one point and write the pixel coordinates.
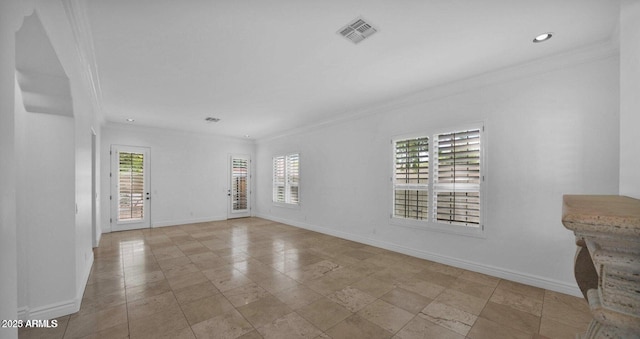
(286, 179)
(437, 178)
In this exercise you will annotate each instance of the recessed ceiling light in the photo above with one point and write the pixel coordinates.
(543, 37)
(130, 120)
(211, 119)
(247, 136)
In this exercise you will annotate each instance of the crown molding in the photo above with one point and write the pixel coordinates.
(76, 13)
(179, 132)
(591, 53)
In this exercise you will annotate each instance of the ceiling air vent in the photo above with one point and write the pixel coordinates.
(357, 30)
(211, 119)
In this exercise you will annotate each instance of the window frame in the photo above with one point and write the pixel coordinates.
(430, 224)
(287, 183)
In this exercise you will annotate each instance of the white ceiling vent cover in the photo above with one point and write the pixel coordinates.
(357, 30)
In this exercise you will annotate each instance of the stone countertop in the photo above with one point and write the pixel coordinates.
(613, 214)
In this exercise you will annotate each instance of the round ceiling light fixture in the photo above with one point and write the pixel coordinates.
(543, 37)
(130, 120)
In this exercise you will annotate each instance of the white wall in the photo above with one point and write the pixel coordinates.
(629, 98)
(52, 178)
(551, 129)
(46, 210)
(10, 20)
(189, 172)
(86, 116)
(84, 123)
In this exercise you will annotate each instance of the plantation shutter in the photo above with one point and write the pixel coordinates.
(293, 178)
(457, 178)
(240, 171)
(411, 178)
(279, 179)
(130, 186)
(286, 179)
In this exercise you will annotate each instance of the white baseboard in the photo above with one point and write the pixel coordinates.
(55, 310)
(186, 221)
(98, 237)
(84, 280)
(165, 223)
(50, 311)
(521, 277)
(61, 308)
(23, 312)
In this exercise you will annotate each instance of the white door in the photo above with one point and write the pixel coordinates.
(130, 194)
(240, 187)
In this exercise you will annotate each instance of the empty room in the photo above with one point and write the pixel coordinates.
(319, 169)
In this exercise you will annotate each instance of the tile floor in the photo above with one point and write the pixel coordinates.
(253, 278)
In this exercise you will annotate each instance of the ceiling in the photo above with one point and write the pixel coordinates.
(264, 67)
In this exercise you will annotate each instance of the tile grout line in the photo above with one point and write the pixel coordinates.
(250, 232)
(126, 296)
(173, 292)
(485, 304)
(221, 293)
(229, 301)
(544, 301)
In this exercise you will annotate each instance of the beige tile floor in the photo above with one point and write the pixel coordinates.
(253, 278)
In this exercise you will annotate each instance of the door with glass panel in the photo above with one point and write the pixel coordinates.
(130, 194)
(239, 187)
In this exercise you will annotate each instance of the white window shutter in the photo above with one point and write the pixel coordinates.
(286, 179)
(293, 178)
(130, 186)
(279, 179)
(457, 178)
(411, 178)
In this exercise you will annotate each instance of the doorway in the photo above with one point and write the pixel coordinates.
(130, 193)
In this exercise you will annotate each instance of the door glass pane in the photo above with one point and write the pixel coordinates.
(130, 186)
(239, 169)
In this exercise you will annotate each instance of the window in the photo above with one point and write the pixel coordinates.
(286, 179)
(456, 184)
(130, 186)
(447, 191)
(239, 178)
(411, 183)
